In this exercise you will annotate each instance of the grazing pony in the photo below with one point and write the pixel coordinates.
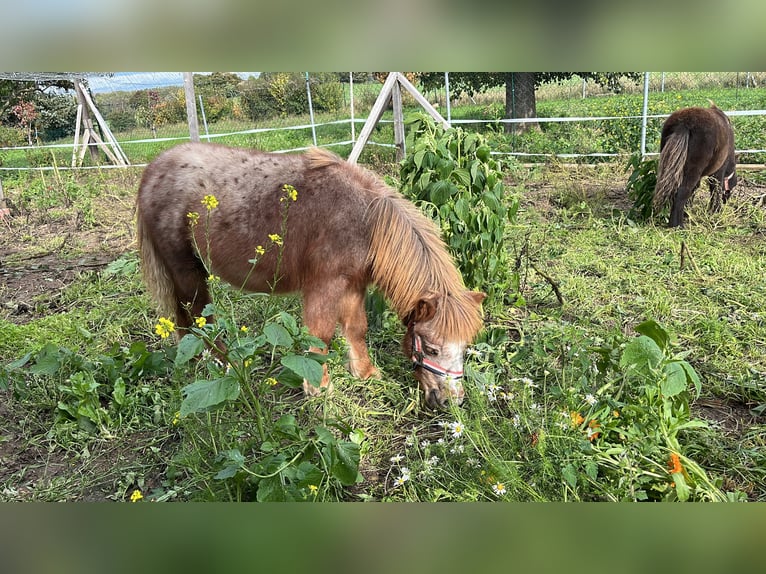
(344, 229)
(695, 142)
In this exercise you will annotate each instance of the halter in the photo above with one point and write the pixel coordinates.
(419, 359)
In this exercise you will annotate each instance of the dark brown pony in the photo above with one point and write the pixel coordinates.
(345, 230)
(695, 142)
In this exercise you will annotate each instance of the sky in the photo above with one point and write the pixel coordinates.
(131, 81)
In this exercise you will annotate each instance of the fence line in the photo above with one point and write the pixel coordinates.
(352, 121)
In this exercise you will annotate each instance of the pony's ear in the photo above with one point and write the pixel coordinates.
(424, 309)
(477, 296)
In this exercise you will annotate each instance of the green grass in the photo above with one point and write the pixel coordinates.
(533, 373)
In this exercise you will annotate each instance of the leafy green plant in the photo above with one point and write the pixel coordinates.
(96, 394)
(640, 421)
(452, 175)
(641, 183)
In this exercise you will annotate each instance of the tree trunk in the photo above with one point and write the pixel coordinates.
(520, 101)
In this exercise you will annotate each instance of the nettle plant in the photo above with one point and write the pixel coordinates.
(241, 367)
(453, 177)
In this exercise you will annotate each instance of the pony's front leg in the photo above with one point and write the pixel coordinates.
(353, 322)
(320, 317)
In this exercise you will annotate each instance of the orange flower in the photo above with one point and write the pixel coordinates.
(674, 464)
(592, 432)
(577, 418)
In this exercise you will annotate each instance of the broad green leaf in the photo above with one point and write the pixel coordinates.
(570, 475)
(201, 395)
(289, 322)
(462, 208)
(692, 375)
(439, 192)
(682, 489)
(235, 461)
(675, 380)
(277, 335)
(346, 467)
(591, 469)
(324, 435)
(491, 201)
(462, 177)
(271, 490)
(118, 393)
(642, 353)
(287, 425)
(18, 363)
(304, 367)
(47, 361)
(188, 348)
(418, 158)
(653, 330)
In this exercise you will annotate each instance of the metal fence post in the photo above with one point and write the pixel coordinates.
(644, 114)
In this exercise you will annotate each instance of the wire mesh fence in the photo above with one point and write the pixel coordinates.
(578, 119)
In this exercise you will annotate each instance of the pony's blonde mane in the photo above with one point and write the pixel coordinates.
(407, 257)
(409, 262)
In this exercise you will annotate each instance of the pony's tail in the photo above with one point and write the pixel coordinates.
(671, 168)
(154, 271)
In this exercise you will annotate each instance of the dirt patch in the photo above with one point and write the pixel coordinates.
(38, 259)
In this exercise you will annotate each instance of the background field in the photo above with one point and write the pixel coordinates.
(90, 398)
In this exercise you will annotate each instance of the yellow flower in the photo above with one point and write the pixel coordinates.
(136, 496)
(193, 217)
(164, 327)
(210, 202)
(176, 418)
(213, 278)
(200, 321)
(247, 362)
(313, 489)
(243, 328)
(271, 381)
(276, 238)
(290, 192)
(577, 418)
(260, 250)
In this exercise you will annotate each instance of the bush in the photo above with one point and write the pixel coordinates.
(453, 177)
(283, 94)
(11, 137)
(122, 121)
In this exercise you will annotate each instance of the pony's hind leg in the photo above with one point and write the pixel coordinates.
(191, 292)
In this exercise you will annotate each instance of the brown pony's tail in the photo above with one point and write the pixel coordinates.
(154, 271)
(671, 168)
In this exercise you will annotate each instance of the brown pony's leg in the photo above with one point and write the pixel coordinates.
(320, 317)
(682, 195)
(191, 292)
(353, 322)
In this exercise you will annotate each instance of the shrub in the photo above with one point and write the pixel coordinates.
(122, 121)
(454, 178)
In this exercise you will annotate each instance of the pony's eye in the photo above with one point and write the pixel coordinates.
(431, 352)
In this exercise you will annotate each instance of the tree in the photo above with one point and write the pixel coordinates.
(225, 84)
(520, 88)
(13, 92)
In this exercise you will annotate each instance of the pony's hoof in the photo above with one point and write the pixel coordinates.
(311, 391)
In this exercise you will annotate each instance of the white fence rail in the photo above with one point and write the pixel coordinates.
(117, 99)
